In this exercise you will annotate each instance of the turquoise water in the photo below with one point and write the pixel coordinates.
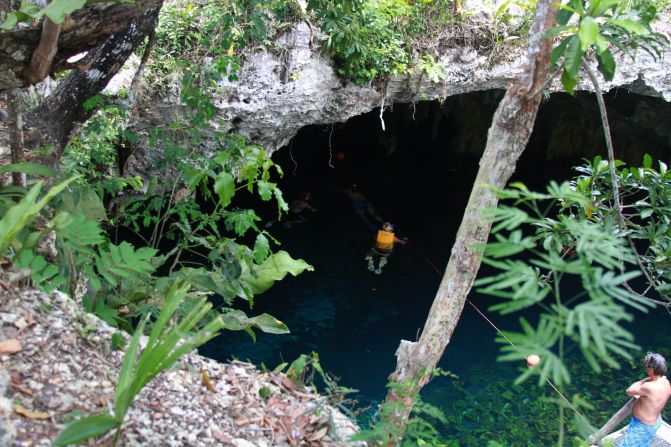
(418, 173)
(355, 319)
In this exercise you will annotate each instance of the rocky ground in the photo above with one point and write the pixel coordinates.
(57, 363)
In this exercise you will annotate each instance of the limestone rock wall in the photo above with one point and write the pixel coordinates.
(276, 95)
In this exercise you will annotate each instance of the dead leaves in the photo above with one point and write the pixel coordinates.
(205, 379)
(10, 346)
(39, 415)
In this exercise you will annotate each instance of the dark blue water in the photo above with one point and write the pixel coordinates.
(355, 320)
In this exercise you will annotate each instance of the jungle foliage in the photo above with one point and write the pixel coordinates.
(600, 29)
(134, 250)
(189, 238)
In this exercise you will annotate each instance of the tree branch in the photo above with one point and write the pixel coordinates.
(57, 115)
(43, 56)
(613, 172)
(15, 127)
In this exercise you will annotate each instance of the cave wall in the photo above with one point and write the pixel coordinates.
(430, 148)
(269, 107)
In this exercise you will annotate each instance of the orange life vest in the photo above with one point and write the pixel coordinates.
(384, 240)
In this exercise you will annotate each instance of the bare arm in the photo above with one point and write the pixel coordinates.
(638, 388)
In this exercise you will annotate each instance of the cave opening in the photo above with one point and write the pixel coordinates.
(418, 174)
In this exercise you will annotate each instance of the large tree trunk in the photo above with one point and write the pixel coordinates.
(56, 116)
(511, 127)
(83, 30)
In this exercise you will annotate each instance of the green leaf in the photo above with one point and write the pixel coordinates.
(30, 169)
(123, 397)
(86, 428)
(601, 43)
(568, 82)
(261, 248)
(106, 313)
(10, 22)
(237, 320)
(629, 25)
(224, 186)
(274, 268)
(508, 218)
(58, 9)
(647, 161)
(606, 65)
(599, 8)
(84, 201)
(269, 324)
(265, 189)
(587, 32)
(558, 52)
(564, 15)
(21, 214)
(573, 58)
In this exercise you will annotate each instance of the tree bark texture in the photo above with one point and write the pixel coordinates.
(15, 128)
(56, 116)
(82, 31)
(508, 135)
(43, 56)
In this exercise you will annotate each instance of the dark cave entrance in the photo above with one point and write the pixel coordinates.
(418, 174)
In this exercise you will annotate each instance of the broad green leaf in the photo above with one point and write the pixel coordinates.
(629, 25)
(192, 176)
(241, 220)
(647, 161)
(29, 168)
(601, 43)
(261, 248)
(86, 428)
(237, 320)
(274, 268)
(573, 58)
(58, 9)
(265, 189)
(11, 20)
(84, 201)
(558, 52)
(564, 15)
(606, 65)
(587, 32)
(568, 82)
(269, 324)
(602, 6)
(224, 186)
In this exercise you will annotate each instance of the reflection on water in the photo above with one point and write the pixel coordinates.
(355, 320)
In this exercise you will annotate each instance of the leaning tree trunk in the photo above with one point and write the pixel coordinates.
(56, 116)
(82, 31)
(507, 138)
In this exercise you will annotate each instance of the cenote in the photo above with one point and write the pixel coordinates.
(418, 174)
